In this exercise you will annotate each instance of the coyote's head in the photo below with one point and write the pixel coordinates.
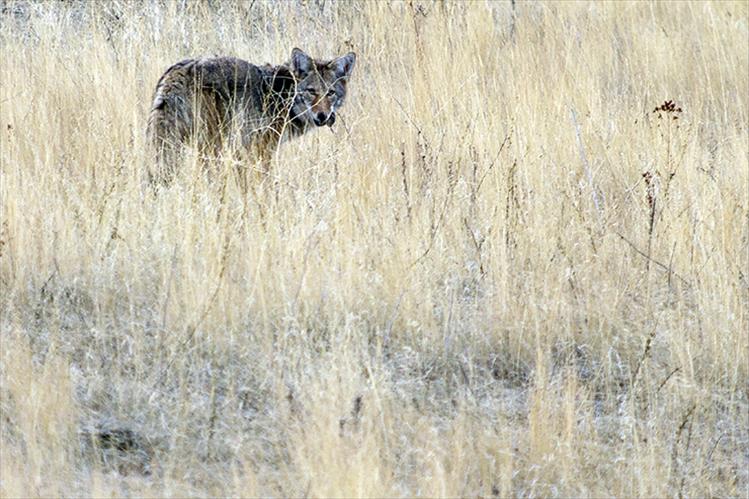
(320, 87)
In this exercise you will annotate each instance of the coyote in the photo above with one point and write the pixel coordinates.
(227, 102)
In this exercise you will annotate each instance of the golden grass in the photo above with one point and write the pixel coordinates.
(503, 274)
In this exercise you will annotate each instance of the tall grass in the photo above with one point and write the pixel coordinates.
(503, 273)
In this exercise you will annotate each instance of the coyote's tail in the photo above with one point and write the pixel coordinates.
(169, 121)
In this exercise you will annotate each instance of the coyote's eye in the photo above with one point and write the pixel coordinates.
(331, 93)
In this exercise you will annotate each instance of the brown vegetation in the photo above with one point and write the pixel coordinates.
(507, 270)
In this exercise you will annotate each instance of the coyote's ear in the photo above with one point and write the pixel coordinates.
(344, 65)
(300, 62)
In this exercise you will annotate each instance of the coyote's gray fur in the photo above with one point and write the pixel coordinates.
(219, 102)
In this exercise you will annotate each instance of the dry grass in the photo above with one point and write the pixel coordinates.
(504, 274)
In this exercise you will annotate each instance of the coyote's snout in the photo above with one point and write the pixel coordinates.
(219, 102)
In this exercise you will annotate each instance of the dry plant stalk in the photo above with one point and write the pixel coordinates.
(467, 290)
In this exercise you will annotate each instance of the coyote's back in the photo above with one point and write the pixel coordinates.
(227, 102)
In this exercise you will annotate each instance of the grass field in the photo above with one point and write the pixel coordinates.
(512, 268)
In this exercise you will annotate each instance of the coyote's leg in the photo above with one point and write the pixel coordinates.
(256, 160)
